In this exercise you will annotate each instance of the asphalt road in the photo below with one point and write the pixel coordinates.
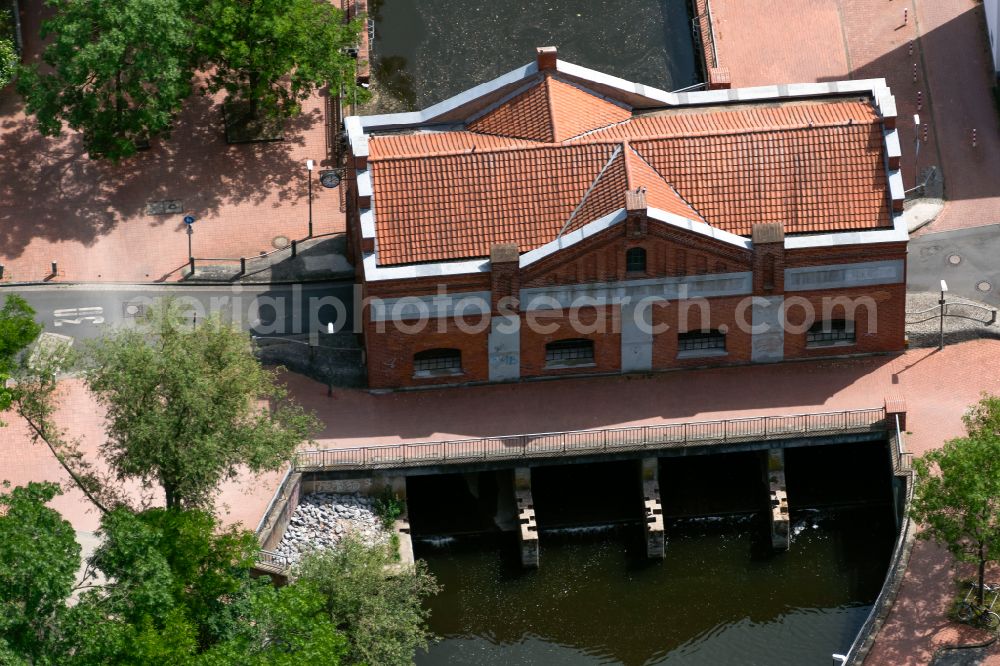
(84, 311)
(967, 259)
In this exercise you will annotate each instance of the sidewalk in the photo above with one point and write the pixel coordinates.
(92, 217)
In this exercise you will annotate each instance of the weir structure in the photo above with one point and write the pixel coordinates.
(771, 435)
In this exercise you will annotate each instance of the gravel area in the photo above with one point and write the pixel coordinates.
(956, 329)
(321, 520)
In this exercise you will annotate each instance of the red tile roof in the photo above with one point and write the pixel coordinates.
(555, 157)
(550, 111)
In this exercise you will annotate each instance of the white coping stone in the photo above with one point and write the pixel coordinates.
(700, 228)
(376, 273)
(897, 234)
(631, 291)
(896, 190)
(430, 307)
(841, 276)
(891, 138)
(367, 223)
(364, 183)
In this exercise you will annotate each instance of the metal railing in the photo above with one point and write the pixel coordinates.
(269, 560)
(946, 311)
(589, 442)
(890, 586)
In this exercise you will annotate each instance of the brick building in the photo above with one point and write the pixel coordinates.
(559, 221)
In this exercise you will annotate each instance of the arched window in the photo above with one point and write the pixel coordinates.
(436, 362)
(635, 260)
(569, 353)
(701, 341)
(831, 332)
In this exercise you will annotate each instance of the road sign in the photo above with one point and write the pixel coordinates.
(189, 220)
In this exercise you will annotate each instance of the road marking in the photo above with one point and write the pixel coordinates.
(78, 316)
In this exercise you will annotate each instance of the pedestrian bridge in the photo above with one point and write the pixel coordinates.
(724, 434)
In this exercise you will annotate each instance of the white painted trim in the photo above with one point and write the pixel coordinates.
(891, 140)
(376, 273)
(896, 191)
(572, 238)
(364, 182)
(898, 234)
(713, 285)
(438, 306)
(700, 228)
(845, 276)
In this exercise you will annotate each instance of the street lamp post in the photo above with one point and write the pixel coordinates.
(916, 149)
(309, 170)
(189, 223)
(944, 290)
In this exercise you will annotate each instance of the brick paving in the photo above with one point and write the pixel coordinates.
(90, 216)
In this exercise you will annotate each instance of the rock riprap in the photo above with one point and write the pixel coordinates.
(322, 520)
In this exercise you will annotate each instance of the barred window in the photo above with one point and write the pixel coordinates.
(576, 351)
(830, 332)
(701, 340)
(437, 362)
(635, 260)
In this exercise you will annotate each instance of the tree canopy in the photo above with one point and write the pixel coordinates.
(170, 586)
(119, 72)
(271, 54)
(189, 406)
(957, 496)
(116, 71)
(18, 329)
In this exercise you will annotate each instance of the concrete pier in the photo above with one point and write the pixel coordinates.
(780, 518)
(653, 508)
(527, 527)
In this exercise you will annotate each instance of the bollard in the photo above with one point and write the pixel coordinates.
(914, 72)
(294, 249)
(925, 132)
(906, 15)
(920, 100)
(191, 265)
(911, 47)
(243, 265)
(973, 137)
(55, 268)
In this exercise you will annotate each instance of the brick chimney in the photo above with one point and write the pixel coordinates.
(546, 58)
(768, 259)
(505, 275)
(635, 212)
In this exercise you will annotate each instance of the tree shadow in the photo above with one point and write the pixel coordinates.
(50, 189)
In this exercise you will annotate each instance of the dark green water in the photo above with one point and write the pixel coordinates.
(428, 50)
(719, 597)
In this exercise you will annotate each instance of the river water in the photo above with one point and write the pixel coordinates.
(428, 50)
(720, 596)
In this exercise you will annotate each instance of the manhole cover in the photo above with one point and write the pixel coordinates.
(133, 309)
(983, 285)
(280, 242)
(329, 178)
(955, 259)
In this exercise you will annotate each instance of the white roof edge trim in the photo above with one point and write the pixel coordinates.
(367, 223)
(892, 147)
(388, 120)
(898, 234)
(364, 178)
(376, 273)
(700, 228)
(572, 238)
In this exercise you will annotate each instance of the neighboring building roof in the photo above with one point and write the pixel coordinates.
(550, 157)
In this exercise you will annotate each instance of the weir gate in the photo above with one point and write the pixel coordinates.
(369, 469)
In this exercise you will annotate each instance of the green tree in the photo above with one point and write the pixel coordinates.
(8, 61)
(18, 329)
(39, 558)
(190, 407)
(269, 55)
(377, 605)
(957, 496)
(117, 71)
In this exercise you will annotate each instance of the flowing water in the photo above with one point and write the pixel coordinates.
(720, 597)
(428, 50)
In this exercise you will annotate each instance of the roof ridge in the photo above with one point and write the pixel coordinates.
(593, 186)
(668, 184)
(723, 132)
(550, 105)
(538, 145)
